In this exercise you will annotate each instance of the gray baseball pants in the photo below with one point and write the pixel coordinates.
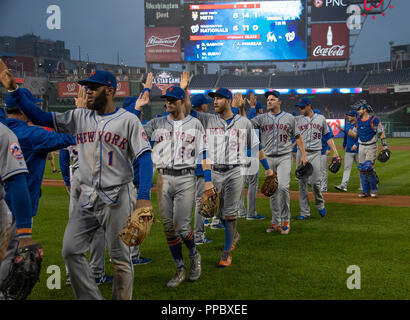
(280, 200)
(315, 179)
(82, 225)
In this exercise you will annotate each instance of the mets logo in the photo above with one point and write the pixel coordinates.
(92, 74)
(15, 151)
(144, 135)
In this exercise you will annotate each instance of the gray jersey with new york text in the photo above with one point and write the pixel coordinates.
(107, 145)
(228, 143)
(11, 157)
(276, 132)
(178, 144)
(312, 130)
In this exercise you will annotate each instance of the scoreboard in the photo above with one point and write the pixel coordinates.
(246, 31)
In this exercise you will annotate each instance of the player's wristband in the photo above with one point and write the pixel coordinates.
(265, 164)
(146, 89)
(207, 175)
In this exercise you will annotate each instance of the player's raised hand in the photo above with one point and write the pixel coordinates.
(81, 100)
(184, 80)
(148, 82)
(7, 77)
(238, 100)
(142, 101)
(252, 100)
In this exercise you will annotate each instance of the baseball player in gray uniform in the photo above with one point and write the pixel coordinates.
(199, 103)
(180, 144)
(97, 245)
(312, 127)
(108, 139)
(229, 136)
(16, 214)
(276, 129)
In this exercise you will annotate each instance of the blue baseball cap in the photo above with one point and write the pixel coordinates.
(199, 100)
(304, 102)
(316, 111)
(174, 92)
(102, 77)
(272, 93)
(223, 92)
(352, 113)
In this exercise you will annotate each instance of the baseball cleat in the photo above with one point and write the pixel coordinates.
(285, 227)
(322, 212)
(235, 241)
(104, 279)
(68, 281)
(341, 188)
(255, 217)
(242, 215)
(273, 227)
(226, 259)
(373, 194)
(206, 222)
(178, 277)
(141, 261)
(323, 190)
(220, 225)
(195, 270)
(302, 217)
(363, 195)
(204, 240)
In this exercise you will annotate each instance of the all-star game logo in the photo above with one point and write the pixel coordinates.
(163, 80)
(370, 6)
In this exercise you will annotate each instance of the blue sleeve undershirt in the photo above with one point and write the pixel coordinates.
(145, 174)
(65, 165)
(19, 201)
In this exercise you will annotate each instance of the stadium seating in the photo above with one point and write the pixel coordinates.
(342, 79)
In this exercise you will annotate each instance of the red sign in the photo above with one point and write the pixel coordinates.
(123, 89)
(163, 44)
(330, 41)
(376, 90)
(68, 89)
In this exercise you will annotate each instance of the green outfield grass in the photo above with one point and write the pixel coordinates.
(308, 263)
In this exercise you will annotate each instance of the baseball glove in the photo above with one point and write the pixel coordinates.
(304, 171)
(25, 272)
(138, 226)
(210, 203)
(335, 165)
(384, 155)
(270, 185)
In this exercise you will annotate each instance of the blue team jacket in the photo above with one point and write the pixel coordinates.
(36, 143)
(348, 141)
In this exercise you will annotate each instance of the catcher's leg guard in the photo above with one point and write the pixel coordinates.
(366, 171)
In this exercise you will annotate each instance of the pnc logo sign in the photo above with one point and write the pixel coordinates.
(330, 3)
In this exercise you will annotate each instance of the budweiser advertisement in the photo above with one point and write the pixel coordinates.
(68, 89)
(330, 41)
(163, 44)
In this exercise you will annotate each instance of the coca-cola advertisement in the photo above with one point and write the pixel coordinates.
(330, 41)
(163, 44)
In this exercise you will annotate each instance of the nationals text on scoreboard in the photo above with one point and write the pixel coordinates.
(246, 31)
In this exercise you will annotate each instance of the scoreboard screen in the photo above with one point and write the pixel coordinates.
(246, 31)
